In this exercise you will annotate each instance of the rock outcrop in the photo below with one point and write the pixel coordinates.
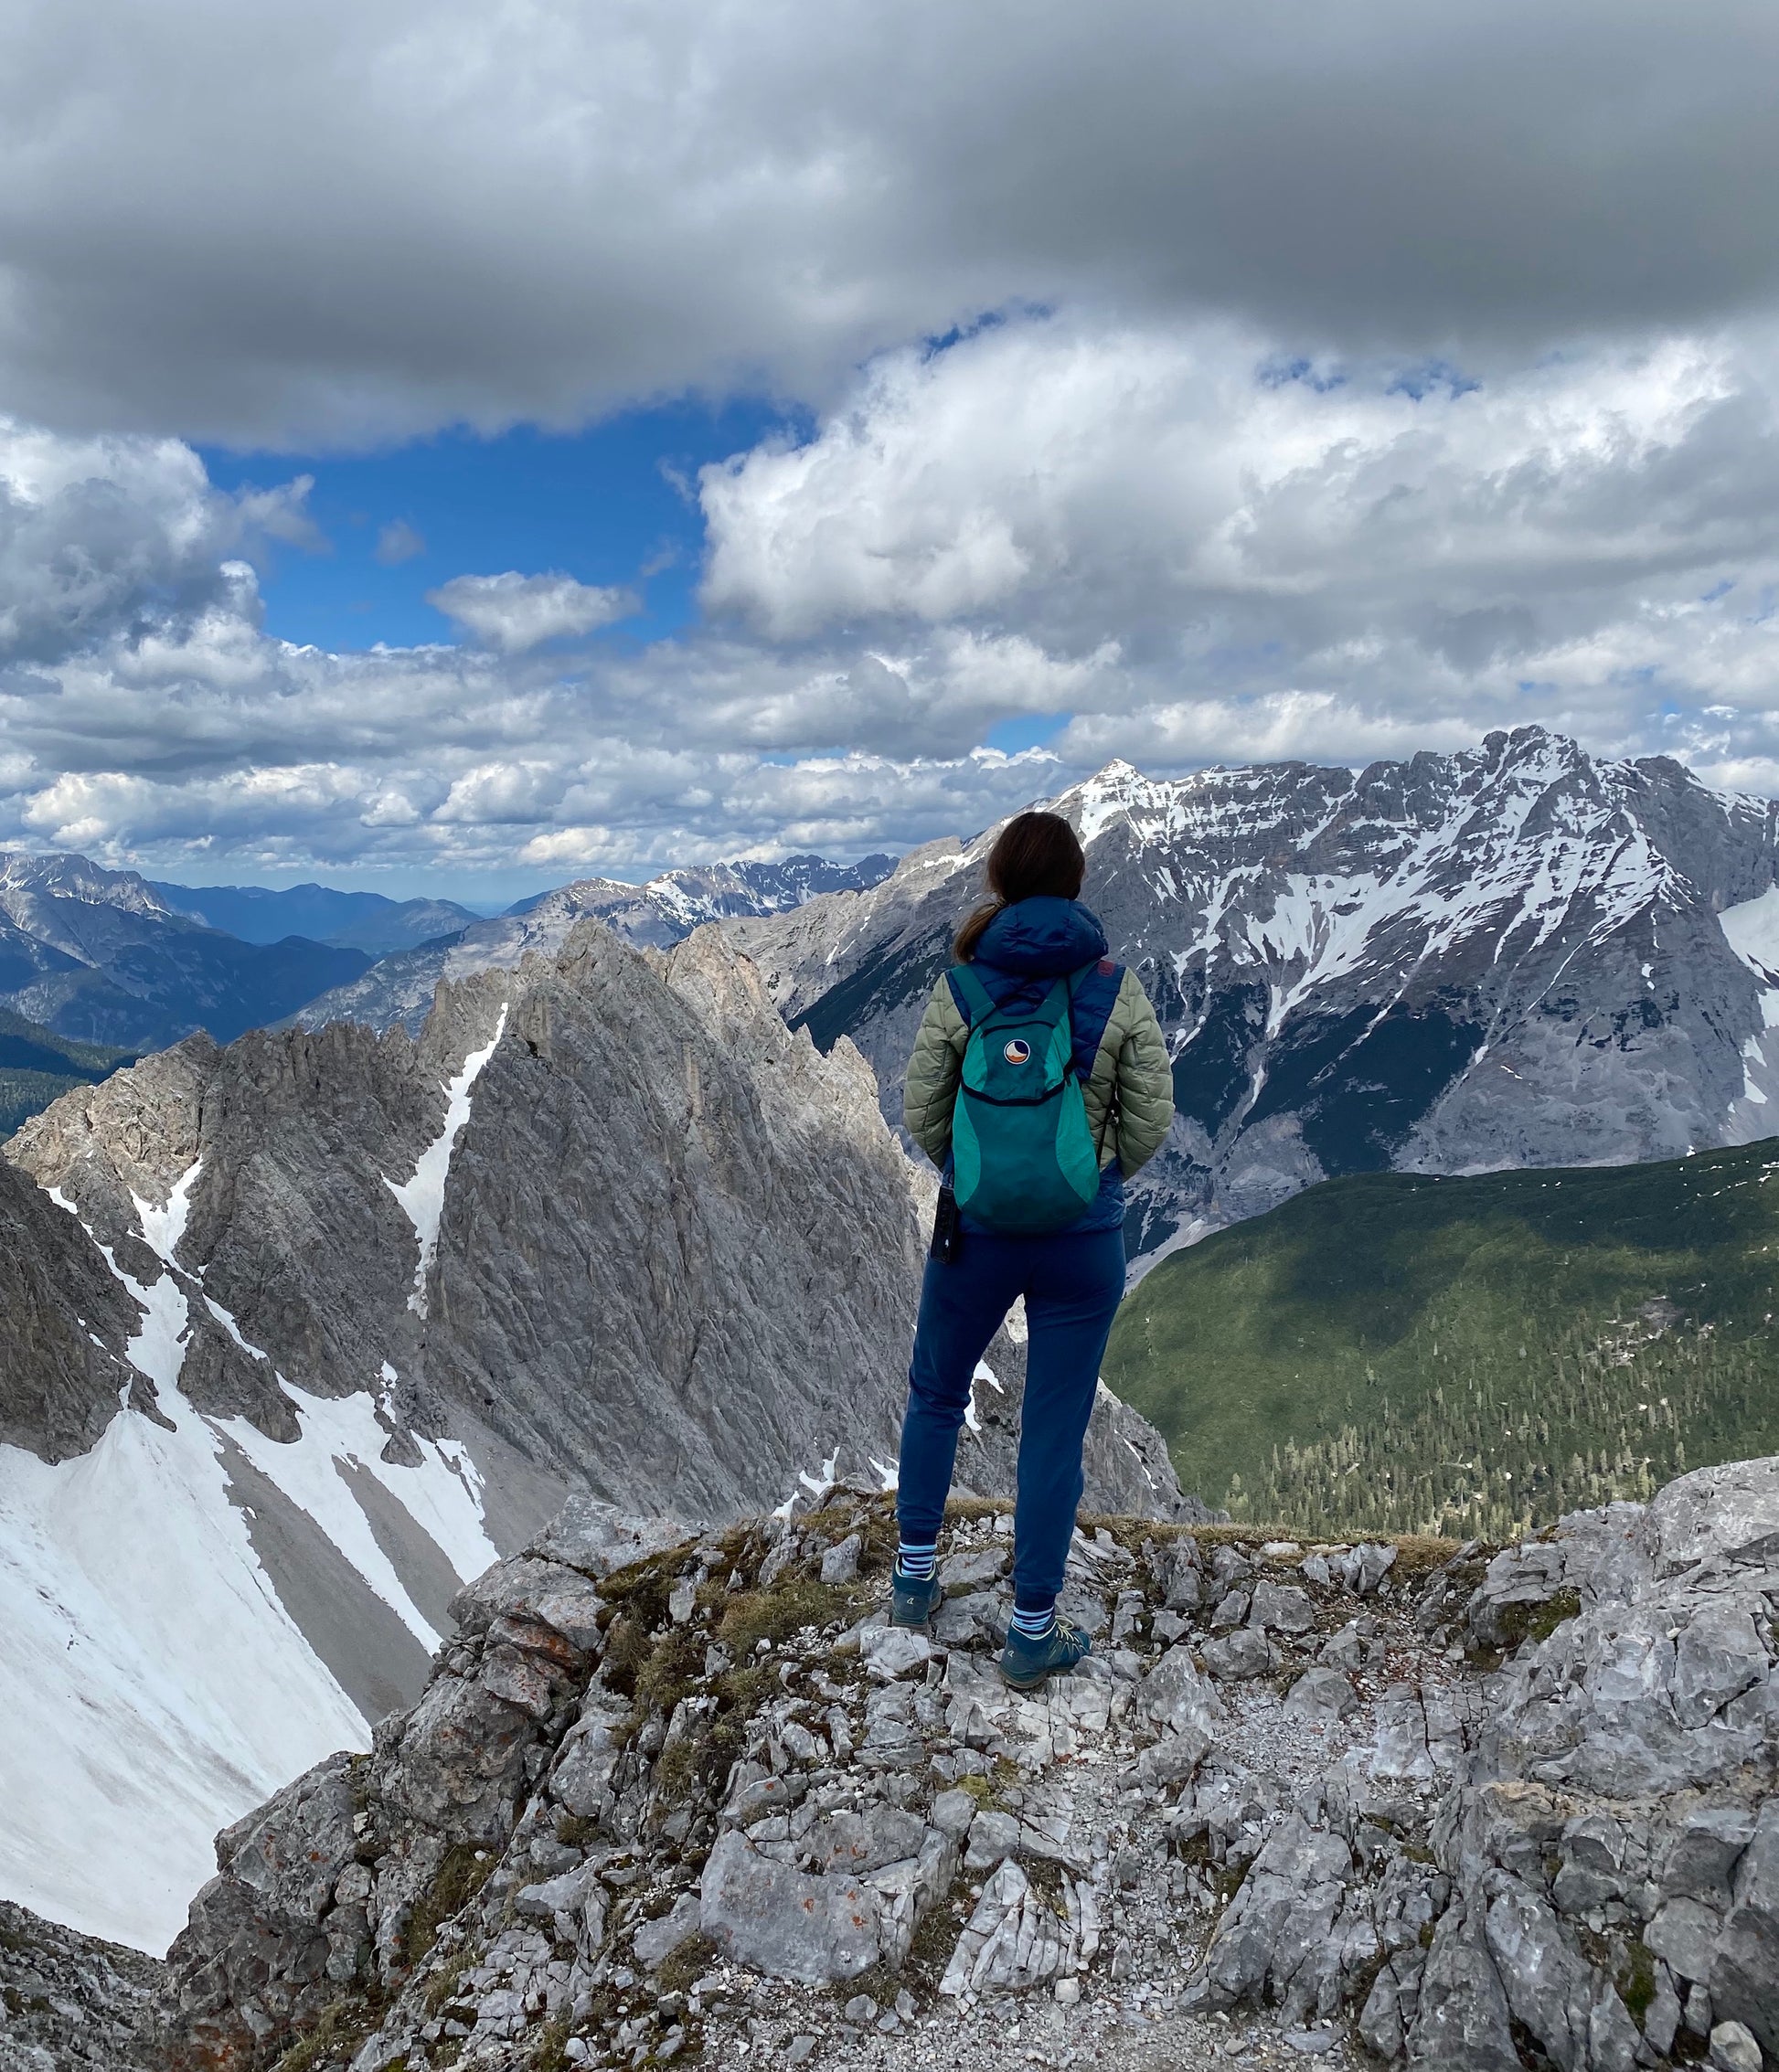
(1473, 1812)
(68, 2001)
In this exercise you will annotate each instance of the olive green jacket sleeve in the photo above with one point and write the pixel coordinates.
(933, 1065)
(1129, 1094)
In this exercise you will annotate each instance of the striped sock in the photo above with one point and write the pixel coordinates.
(917, 1562)
(1035, 1625)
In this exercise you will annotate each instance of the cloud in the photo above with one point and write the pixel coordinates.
(119, 536)
(1172, 543)
(1239, 559)
(335, 222)
(514, 612)
(398, 542)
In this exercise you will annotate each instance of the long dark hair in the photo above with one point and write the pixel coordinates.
(1036, 854)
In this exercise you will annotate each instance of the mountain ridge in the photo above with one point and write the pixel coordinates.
(352, 920)
(98, 956)
(1510, 955)
(654, 915)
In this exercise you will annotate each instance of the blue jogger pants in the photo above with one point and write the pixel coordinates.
(1072, 1283)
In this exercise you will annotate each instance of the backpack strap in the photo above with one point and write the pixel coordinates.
(1093, 991)
(972, 999)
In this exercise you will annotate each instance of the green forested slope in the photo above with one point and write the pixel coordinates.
(1395, 1352)
(36, 1065)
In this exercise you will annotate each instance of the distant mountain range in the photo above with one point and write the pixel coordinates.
(114, 964)
(666, 911)
(1402, 1353)
(101, 956)
(352, 920)
(1514, 956)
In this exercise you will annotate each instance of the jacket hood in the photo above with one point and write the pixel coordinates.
(1041, 938)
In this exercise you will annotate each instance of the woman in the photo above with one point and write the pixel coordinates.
(1010, 954)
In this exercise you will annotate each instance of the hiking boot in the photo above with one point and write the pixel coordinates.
(912, 1602)
(1024, 1664)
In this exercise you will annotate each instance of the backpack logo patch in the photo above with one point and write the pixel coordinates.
(1017, 1052)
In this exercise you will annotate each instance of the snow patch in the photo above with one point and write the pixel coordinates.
(344, 1431)
(164, 1227)
(818, 1484)
(1751, 930)
(423, 1195)
(225, 1318)
(154, 1686)
(984, 1373)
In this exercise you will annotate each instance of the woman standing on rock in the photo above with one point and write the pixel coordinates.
(1038, 1083)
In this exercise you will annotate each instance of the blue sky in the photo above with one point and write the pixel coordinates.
(616, 504)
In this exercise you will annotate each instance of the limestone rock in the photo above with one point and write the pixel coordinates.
(1174, 1696)
(1012, 1942)
(1282, 1607)
(1235, 1658)
(1733, 2048)
(1321, 1695)
(1273, 1942)
(70, 2002)
(815, 1930)
(657, 1940)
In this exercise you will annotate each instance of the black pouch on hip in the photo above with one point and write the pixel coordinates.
(947, 1231)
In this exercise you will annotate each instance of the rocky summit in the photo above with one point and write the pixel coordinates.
(297, 1336)
(1516, 955)
(688, 1799)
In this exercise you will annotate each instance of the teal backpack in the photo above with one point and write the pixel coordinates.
(1022, 1159)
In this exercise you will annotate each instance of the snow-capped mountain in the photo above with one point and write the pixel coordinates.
(295, 1336)
(656, 915)
(101, 956)
(1518, 956)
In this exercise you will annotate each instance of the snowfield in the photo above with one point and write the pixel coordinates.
(154, 1686)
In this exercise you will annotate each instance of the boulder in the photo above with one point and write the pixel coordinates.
(891, 1652)
(1273, 1942)
(1013, 1941)
(1284, 1608)
(657, 1940)
(1176, 1698)
(1237, 1657)
(1321, 1696)
(812, 1931)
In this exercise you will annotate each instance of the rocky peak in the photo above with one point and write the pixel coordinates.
(25, 878)
(1452, 1807)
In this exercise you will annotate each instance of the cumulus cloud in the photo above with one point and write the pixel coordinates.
(1248, 556)
(330, 221)
(514, 612)
(1172, 543)
(117, 536)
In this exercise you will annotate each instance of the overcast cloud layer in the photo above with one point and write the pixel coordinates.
(1356, 380)
(355, 217)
